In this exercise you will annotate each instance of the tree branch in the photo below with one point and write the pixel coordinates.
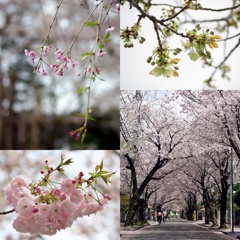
(219, 10)
(226, 58)
(10, 211)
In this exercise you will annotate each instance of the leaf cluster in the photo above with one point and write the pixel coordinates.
(128, 35)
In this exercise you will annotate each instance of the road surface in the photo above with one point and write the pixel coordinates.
(174, 229)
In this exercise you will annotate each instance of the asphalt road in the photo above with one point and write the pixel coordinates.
(174, 229)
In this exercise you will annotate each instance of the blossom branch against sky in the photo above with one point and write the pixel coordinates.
(173, 28)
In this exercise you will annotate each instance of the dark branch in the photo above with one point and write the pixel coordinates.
(226, 58)
(219, 10)
(4, 213)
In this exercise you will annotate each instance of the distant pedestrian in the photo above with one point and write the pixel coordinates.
(159, 217)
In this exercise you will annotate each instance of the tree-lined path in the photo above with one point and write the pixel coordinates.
(175, 229)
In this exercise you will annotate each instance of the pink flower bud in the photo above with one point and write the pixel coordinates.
(78, 136)
(63, 196)
(57, 192)
(38, 190)
(71, 133)
(98, 69)
(35, 210)
(107, 196)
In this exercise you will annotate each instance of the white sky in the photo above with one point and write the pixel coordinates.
(135, 70)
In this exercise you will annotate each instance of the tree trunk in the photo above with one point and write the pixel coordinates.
(214, 217)
(207, 215)
(223, 207)
(136, 211)
(133, 210)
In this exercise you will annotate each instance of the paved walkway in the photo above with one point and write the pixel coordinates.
(175, 229)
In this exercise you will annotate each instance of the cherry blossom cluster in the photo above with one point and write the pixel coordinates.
(45, 209)
(63, 61)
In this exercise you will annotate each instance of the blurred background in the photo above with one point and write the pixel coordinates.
(103, 225)
(38, 112)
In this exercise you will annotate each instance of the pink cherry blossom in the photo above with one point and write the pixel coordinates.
(109, 29)
(67, 186)
(101, 53)
(33, 221)
(25, 206)
(46, 49)
(69, 206)
(43, 211)
(44, 73)
(58, 54)
(56, 209)
(18, 182)
(57, 192)
(98, 69)
(31, 54)
(54, 67)
(118, 8)
(73, 64)
(48, 228)
(91, 208)
(76, 196)
(60, 73)
(19, 224)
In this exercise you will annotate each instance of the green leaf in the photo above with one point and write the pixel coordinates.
(81, 114)
(67, 162)
(82, 90)
(194, 56)
(103, 172)
(101, 45)
(101, 166)
(91, 118)
(156, 72)
(107, 37)
(97, 167)
(91, 24)
(85, 55)
(83, 136)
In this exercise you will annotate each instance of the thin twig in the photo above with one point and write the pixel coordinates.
(219, 10)
(226, 58)
(10, 211)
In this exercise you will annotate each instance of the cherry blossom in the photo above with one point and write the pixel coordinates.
(109, 29)
(101, 53)
(41, 211)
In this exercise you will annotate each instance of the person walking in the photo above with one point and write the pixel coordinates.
(159, 216)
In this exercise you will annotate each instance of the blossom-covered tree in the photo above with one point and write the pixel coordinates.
(152, 135)
(191, 136)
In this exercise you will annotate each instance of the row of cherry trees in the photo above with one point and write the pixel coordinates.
(179, 145)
